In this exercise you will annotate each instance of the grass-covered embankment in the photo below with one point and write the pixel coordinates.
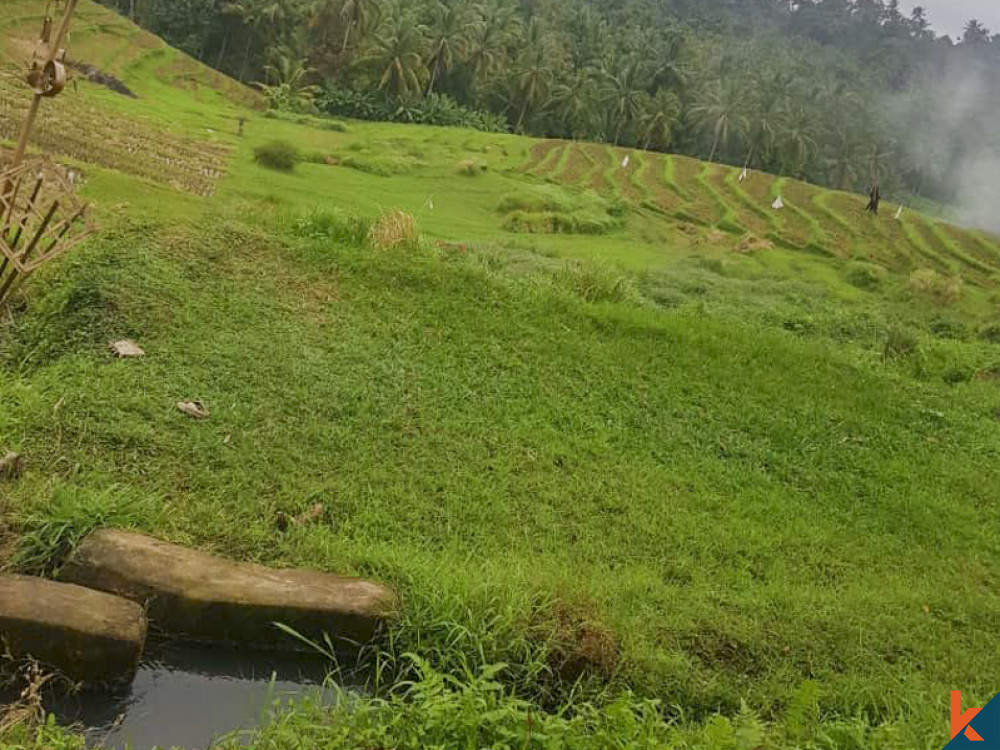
(554, 470)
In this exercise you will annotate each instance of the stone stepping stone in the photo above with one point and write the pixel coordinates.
(86, 635)
(194, 595)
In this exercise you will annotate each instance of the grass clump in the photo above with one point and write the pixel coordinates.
(552, 210)
(597, 282)
(394, 229)
(279, 155)
(990, 332)
(864, 275)
(932, 285)
(49, 533)
(470, 168)
(330, 226)
(379, 166)
(900, 343)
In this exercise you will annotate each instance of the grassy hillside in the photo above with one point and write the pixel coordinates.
(621, 422)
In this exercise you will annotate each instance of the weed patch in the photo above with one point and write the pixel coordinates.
(932, 285)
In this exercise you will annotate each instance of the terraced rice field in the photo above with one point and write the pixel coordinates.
(75, 129)
(671, 188)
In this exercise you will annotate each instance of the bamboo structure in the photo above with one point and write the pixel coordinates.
(40, 216)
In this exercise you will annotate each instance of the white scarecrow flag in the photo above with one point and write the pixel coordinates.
(625, 162)
(743, 175)
(899, 213)
(778, 204)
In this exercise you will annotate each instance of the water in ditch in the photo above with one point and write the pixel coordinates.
(188, 696)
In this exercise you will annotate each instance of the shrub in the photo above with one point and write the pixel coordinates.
(933, 285)
(392, 230)
(864, 275)
(900, 343)
(470, 168)
(278, 155)
(946, 328)
(990, 332)
(434, 109)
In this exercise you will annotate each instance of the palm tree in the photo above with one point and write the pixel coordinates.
(449, 37)
(623, 93)
(719, 111)
(490, 37)
(799, 141)
(358, 16)
(660, 115)
(397, 56)
(533, 76)
(767, 115)
(878, 161)
(278, 17)
(285, 84)
(842, 172)
(573, 100)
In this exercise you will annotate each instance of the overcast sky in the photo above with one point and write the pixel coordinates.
(950, 16)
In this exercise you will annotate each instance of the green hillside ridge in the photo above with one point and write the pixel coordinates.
(749, 453)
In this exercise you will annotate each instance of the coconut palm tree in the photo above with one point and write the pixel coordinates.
(359, 16)
(534, 72)
(767, 115)
(623, 94)
(573, 101)
(286, 84)
(719, 111)
(453, 24)
(658, 118)
(397, 55)
(841, 165)
(799, 141)
(490, 37)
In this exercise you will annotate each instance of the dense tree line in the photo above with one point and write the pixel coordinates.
(840, 92)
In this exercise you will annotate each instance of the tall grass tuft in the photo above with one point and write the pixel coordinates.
(931, 284)
(597, 282)
(50, 533)
(394, 229)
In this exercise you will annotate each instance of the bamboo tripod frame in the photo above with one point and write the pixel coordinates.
(40, 216)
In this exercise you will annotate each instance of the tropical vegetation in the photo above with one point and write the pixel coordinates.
(826, 90)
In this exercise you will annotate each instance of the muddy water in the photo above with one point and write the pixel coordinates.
(189, 696)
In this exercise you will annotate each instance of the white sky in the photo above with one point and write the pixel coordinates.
(950, 16)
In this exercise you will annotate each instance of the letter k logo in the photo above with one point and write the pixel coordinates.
(960, 721)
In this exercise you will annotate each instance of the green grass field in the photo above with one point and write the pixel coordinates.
(628, 424)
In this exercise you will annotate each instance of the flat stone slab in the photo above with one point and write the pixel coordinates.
(87, 635)
(195, 595)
